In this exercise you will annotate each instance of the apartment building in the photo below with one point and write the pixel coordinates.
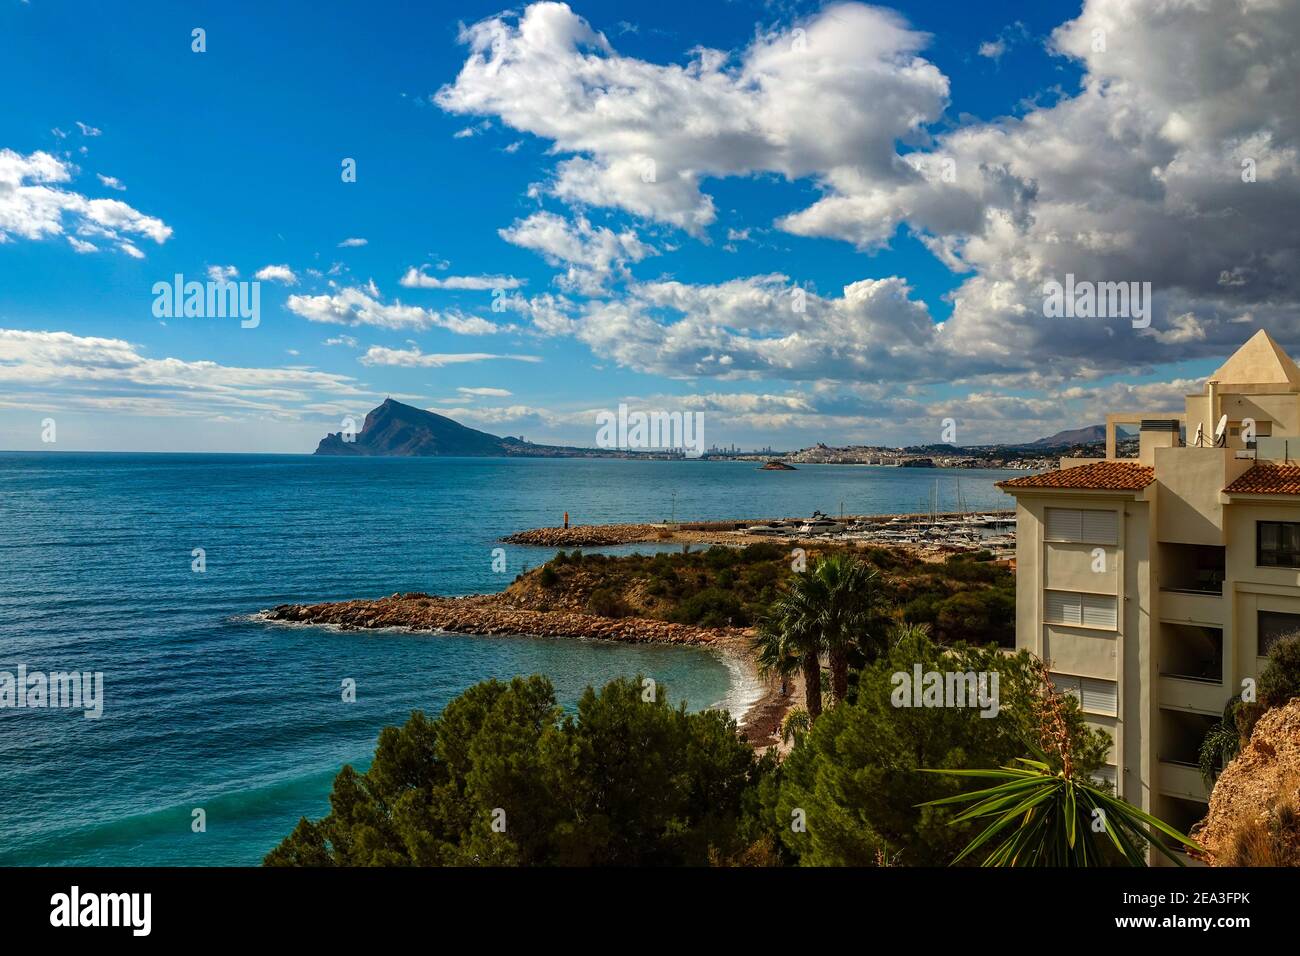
(1155, 586)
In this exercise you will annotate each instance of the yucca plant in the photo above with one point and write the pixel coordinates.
(1038, 817)
(1041, 812)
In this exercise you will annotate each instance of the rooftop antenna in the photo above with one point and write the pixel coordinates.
(1220, 441)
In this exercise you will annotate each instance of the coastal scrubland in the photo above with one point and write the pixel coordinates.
(963, 598)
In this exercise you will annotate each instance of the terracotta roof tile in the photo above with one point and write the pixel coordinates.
(1267, 480)
(1099, 476)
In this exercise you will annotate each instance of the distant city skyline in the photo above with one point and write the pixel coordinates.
(807, 222)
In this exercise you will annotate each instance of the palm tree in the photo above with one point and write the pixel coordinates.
(830, 608)
(787, 644)
(850, 594)
(1221, 744)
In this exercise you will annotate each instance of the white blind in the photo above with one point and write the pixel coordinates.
(1095, 696)
(1098, 610)
(1063, 608)
(1100, 527)
(1072, 607)
(1099, 696)
(1064, 524)
(1084, 525)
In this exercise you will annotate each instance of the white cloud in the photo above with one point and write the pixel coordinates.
(281, 273)
(759, 327)
(485, 392)
(414, 358)
(222, 273)
(112, 182)
(593, 254)
(642, 136)
(87, 130)
(417, 279)
(357, 305)
(34, 206)
(352, 243)
(346, 340)
(63, 370)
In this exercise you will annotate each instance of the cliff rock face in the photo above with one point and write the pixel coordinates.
(397, 429)
(1254, 817)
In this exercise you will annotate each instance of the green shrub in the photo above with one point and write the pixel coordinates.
(623, 782)
(607, 603)
(1280, 679)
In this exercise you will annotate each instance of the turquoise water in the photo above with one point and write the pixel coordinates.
(207, 707)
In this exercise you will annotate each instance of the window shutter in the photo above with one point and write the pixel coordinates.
(1100, 527)
(1099, 610)
(1066, 684)
(1063, 608)
(1099, 696)
(1064, 524)
(1083, 525)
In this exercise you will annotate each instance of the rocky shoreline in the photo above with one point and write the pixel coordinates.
(589, 535)
(487, 615)
(490, 615)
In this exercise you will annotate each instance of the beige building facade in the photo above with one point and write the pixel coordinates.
(1154, 586)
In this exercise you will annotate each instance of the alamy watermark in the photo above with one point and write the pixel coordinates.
(214, 299)
(652, 431)
(1098, 300)
(947, 689)
(71, 690)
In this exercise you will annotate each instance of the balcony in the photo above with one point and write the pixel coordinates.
(1179, 606)
(1178, 747)
(1190, 664)
(1191, 696)
(1191, 652)
(1182, 780)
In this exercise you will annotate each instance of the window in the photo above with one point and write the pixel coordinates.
(1088, 610)
(1106, 773)
(1273, 626)
(1084, 525)
(1277, 544)
(1095, 696)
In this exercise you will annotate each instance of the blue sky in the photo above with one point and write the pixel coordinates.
(771, 172)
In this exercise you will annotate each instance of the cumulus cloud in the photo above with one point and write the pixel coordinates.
(281, 273)
(34, 205)
(1176, 162)
(759, 327)
(836, 91)
(592, 254)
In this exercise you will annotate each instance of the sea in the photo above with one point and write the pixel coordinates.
(150, 570)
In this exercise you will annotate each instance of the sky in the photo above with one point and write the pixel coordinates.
(807, 222)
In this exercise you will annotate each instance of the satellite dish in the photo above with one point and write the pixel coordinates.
(1219, 429)
(1199, 440)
